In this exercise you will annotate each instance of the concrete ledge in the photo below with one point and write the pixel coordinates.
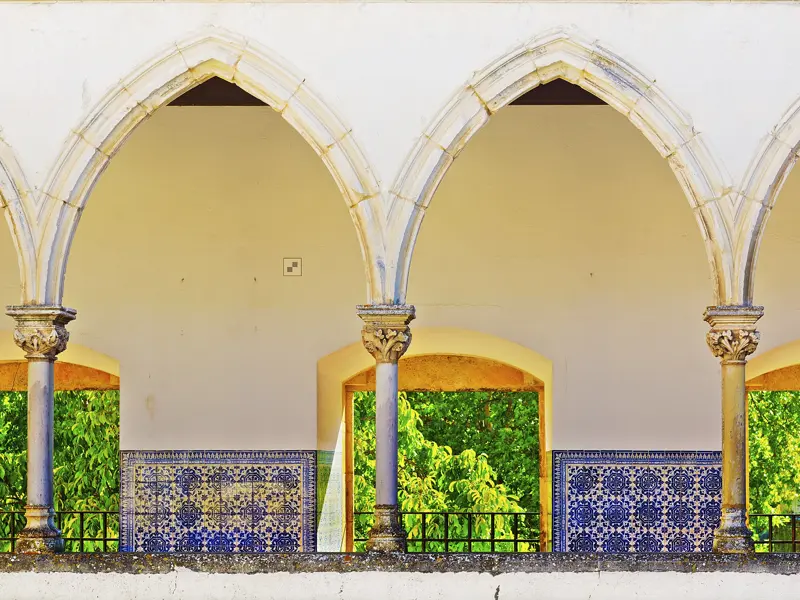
(405, 577)
(493, 564)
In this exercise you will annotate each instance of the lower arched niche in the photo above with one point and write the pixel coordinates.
(68, 377)
(777, 370)
(77, 368)
(440, 359)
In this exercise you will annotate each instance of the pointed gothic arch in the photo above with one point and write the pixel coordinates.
(15, 200)
(215, 53)
(762, 183)
(561, 54)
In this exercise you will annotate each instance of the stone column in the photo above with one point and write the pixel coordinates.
(386, 335)
(41, 333)
(733, 337)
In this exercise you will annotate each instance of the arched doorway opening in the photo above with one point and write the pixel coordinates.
(86, 448)
(449, 373)
(773, 448)
(439, 359)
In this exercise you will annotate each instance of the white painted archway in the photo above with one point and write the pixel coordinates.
(762, 183)
(16, 201)
(566, 55)
(338, 367)
(186, 64)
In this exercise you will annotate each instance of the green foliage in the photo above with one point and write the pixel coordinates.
(502, 425)
(85, 459)
(774, 441)
(774, 445)
(13, 466)
(432, 477)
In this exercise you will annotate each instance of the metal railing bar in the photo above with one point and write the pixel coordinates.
(90, 530)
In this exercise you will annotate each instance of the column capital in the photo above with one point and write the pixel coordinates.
(41, 330)
(386, 334)
(733, 336)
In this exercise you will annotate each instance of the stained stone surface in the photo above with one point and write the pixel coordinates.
(138, 563)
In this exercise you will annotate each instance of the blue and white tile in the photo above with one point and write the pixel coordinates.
(632, 501)
(218, 501)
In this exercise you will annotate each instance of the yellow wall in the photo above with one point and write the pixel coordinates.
(561, 229)
(558, 228)
(177, 271)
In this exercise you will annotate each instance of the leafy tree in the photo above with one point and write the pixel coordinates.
(85, 459)
(502, 425)
(774, 447)
(433, 478)
(774, 443)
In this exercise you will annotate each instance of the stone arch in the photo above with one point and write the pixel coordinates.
(15, 199)
(186, 64)
(565, 55)
(762, 183)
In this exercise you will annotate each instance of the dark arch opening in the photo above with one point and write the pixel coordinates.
(218, 92)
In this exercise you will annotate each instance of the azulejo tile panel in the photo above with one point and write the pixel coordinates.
(630, 501)
(218, 501)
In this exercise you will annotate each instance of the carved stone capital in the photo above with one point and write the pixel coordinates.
(41, 330)
(732, 345)
(386, 334)
(733, 336)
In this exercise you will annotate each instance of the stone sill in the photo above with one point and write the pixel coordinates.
(495, 564)
(399, 1)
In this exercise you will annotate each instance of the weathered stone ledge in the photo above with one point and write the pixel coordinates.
(495, 564)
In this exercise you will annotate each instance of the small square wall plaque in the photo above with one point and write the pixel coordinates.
(292, 267)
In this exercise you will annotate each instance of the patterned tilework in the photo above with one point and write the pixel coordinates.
(218, 501)
(626, 501)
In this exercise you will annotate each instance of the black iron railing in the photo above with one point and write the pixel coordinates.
(83, 530)
(98, 531)
(776, 532)
(461, 531)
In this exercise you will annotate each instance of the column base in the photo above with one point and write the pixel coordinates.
(40, 535)
(387, 535)
(733, 536)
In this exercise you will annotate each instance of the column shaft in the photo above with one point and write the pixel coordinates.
(734, 436)
(40, 432)
(733, 535)
(386, 434)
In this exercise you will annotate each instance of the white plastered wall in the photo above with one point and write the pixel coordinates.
(723, 63)
(691, 56)
(697, 52)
